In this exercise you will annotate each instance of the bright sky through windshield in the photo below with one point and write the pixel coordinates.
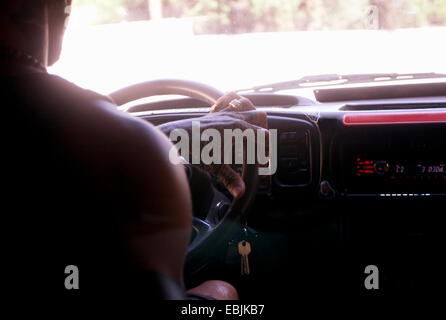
(107, 57)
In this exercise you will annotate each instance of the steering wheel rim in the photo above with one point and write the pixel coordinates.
(146, 89)
(201, 252)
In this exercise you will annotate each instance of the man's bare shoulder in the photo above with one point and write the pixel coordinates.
(85, 123)
(87, 112)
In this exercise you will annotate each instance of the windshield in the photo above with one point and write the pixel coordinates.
(239, 44)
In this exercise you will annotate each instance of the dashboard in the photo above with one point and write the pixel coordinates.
(369, 148)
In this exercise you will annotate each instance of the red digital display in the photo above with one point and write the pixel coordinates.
(364, 167)
(397, 170)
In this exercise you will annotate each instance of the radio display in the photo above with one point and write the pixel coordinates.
(398, 176)
(420, 169)
(401, 169)
(392, 160)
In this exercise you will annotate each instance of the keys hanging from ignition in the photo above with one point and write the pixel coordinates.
(244, 249)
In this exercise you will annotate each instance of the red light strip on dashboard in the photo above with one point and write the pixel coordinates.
(382, 118)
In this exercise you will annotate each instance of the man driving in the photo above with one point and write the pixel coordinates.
(88, 185)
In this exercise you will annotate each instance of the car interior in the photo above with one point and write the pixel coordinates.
(360, 181)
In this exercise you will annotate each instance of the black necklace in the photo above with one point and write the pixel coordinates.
(21, 57)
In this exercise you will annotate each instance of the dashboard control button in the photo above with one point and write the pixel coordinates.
(381, 167)
(290, 165)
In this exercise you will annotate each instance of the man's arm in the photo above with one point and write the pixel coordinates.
(128, 159)
(159, 232)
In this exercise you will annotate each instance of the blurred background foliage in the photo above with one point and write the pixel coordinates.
(242, 16)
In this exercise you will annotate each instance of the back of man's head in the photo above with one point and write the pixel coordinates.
(34, 26)
(24, 11)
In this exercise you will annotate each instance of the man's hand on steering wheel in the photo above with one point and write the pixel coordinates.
(243, 109)
(231, 111)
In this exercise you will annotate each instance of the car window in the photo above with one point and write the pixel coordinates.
(242, 43)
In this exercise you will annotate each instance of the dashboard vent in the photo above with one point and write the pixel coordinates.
(399, 106)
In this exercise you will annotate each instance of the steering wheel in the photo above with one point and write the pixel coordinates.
(213, 229)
